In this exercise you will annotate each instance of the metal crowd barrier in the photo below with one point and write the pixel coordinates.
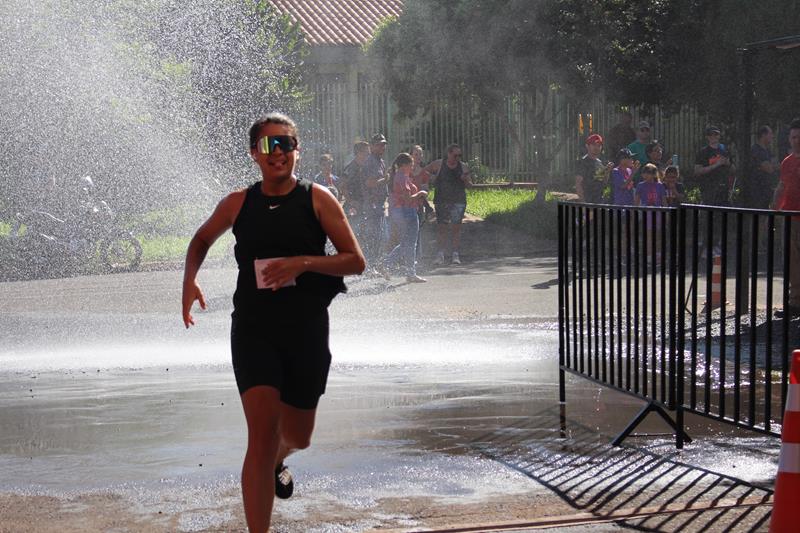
(631, 318)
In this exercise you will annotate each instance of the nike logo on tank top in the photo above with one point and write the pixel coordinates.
(269, 227)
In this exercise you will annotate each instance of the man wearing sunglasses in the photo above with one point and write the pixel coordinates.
(639, 146)
(450, 177)
(279, 331)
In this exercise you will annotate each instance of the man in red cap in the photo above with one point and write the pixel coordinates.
(592, 174)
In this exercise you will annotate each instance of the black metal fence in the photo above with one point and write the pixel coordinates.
(631, 316)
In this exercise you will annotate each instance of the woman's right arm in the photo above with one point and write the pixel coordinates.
(218, 223)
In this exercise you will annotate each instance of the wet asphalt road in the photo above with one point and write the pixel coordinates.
(442, 393)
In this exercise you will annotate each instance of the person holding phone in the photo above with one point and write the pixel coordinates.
(713, 169)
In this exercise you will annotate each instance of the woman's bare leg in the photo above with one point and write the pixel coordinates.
(296, 426)
(262, 409)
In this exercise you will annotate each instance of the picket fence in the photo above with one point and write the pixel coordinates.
(546, 126)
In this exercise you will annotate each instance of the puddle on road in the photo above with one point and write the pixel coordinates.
(450, 414)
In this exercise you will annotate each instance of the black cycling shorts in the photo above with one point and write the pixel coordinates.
(291, 356)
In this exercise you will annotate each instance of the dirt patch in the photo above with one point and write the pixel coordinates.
(114, 512)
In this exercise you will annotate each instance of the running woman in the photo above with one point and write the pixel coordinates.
(279, 332)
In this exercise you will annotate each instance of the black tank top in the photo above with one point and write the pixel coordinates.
(280, 226)
(450, 189)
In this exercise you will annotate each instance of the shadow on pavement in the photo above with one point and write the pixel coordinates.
(493, 265)
(589, 474)
(545, 284)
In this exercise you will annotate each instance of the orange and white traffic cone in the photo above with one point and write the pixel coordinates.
(786, 500)
(715, 302)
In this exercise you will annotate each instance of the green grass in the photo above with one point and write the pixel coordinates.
(487, 202)
(516, 209)
(165, 234)
(173, 248)
(179, 220)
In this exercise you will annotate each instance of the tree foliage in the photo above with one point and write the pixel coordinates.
(242, 59)
(452, 48)
(712, 84)
(449, 49)
(667, 52)
(629, 50)
(152, 98)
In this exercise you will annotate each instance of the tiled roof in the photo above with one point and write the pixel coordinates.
(339, 22)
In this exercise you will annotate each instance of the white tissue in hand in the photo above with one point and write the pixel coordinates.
(260, 265)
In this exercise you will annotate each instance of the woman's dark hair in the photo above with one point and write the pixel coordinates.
(270, 118)
(402, 159)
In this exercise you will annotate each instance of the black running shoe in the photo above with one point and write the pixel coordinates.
(284, 484)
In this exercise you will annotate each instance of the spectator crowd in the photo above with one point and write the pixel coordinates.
(639, 175)
(388, 205)
(634, 158)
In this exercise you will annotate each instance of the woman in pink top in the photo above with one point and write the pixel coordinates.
(403, 205)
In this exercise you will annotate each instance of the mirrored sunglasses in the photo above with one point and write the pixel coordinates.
(267, 145)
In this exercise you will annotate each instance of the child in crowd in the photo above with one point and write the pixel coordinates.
(325, 176)
(651, 193)
(622, 178)
(674, 190)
